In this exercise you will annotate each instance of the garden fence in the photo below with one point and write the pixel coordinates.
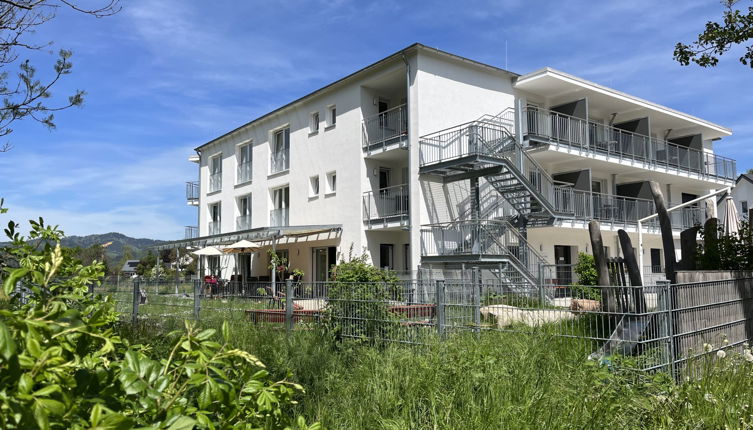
(660, 327)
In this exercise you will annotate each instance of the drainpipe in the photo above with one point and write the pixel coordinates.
(409, 187)
(198, 209)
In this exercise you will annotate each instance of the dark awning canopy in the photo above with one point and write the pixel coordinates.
(281, 235)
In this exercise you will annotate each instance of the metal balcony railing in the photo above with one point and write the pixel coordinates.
(278, 217)
(215, 182)
(192, 232)
(386, 203)
(561, 129)
(386, 128)
(244, 173)
(280, 161)
(623, 210)
(192, 192)
(243, 222)
(214, 227)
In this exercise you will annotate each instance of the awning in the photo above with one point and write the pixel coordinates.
(262, 236)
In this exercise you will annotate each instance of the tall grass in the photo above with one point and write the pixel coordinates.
(495, 380)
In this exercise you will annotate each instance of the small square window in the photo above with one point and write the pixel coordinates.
(331, 115)
(331, 182)
(314, 186)
(314, 124)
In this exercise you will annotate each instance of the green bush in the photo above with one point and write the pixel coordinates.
(358, 305)
(62, 365)
(585, 268)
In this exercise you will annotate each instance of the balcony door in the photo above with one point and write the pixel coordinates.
(563, 260)
(324, 259)
(387, 256)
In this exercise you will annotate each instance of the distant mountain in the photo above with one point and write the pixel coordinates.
(115, 250)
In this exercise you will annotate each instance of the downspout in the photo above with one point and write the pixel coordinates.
(411, 206)
(200, 274)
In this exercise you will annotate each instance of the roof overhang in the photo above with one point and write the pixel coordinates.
(263, 236)
(559, 87)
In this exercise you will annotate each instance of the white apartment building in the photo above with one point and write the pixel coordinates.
(428, 160)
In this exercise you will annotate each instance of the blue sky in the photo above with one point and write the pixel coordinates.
(164, 77)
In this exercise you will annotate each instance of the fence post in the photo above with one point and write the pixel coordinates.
(136, 299)
(289, 305)
(541, 284)
(439, 298)
(197, 299)
(476, 288)
(667, 329)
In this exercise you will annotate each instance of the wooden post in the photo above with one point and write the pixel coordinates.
(608, 298)
(634, 272)
(688, 248)
(711, 257)
(665, 223)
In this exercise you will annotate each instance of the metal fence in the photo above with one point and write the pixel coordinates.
(659, 327)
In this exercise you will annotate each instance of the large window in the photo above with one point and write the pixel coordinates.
(215, 217)
(215, 173)
(281, 151)
(280, 205)
(244, 163)
(243, 222)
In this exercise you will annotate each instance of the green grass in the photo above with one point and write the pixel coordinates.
(495, 380)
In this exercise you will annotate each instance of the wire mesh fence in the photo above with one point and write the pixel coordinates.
(657, 327)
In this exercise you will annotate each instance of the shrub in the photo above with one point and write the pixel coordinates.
(585, 268)
(358, 304)
(63, 366)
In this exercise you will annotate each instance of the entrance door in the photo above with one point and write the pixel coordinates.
(563, 260)
(656, 260)
(321, 266)
(386, 256)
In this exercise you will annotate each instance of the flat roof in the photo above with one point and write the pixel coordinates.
(547, 79)
(413, 47)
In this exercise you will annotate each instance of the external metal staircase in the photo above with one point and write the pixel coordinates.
(487, 148)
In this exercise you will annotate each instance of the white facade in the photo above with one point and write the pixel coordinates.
(368, 166)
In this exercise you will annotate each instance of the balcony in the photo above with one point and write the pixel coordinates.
(386, 130)
(278, 217)
(192, 232)
(243, 222)
(214, 228)
(192, 193)
(215, 182)
(387, 207)
(279, 161)
(244, 173)
(558, 129)
(622, 211)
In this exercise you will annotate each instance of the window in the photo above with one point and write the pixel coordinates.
(281, 151)
(215, 173)
(744, 207)
(656, 260)
(386, 256)
(280, 203)
(331, 115)
(215, 216)
(331, 182)
(406, 256)
(314, 186)
(314, 124)
(243, 222)
(244, 163)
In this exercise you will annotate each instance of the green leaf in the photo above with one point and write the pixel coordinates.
(10, 283)
(7, 344)
(225, 331)
(182, 423)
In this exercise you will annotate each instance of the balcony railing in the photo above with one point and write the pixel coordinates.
(243, 222)
(386, 203)
(386, 128)
(192, 192)
(215, 182)
(192, 232)
(623, 210)
(214, 227)
(278, 217)
(280, 161)
(244, 172)
(602, 139)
